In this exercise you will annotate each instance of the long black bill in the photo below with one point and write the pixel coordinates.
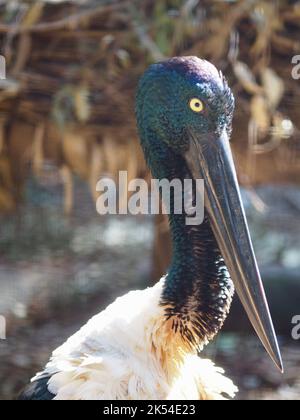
(211, 160)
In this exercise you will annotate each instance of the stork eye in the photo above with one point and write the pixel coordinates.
(196, 105)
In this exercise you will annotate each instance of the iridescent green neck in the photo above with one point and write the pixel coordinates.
(198, 291)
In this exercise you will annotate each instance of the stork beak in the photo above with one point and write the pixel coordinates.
(211, 160)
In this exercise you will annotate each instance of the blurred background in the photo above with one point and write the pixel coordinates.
(67, 118)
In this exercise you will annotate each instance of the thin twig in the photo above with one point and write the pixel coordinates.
(70, 22)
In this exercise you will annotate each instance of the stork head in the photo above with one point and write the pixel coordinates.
(184, 105)
(180, 95)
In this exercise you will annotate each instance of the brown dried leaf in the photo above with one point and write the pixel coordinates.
(33, 15)
(82, 104)
(265, 15)
(273, 87)
(112, 158)
(246, 78)
(76, 154)
(38, 152)
(67, 179)
(260, 113)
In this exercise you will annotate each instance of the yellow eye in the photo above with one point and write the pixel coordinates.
(196, 105)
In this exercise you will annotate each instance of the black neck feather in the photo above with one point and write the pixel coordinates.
(198, 290)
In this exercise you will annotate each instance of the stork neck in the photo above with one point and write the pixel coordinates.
(198, 291)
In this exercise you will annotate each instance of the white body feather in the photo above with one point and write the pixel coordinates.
(130, 351)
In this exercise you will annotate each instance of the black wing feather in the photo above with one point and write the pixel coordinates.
(37, 391)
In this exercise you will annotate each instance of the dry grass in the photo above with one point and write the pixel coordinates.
(73, 68)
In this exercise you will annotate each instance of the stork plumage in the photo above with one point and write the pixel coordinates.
(146, 344)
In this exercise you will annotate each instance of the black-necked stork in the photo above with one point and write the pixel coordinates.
(146, 344)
